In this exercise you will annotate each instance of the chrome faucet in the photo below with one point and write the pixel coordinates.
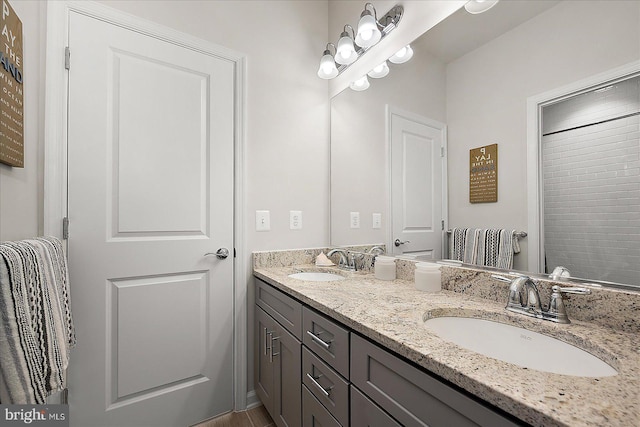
(560, 273)
(524, 298)
(376, 250)
(344, 259)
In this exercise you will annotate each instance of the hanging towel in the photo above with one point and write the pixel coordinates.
(464, 244)
(456, 243)
(471, 246)
(496, 248)
(36, 327)
(489, 244)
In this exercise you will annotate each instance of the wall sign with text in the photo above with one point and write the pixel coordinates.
(11, 97)
(483, 174)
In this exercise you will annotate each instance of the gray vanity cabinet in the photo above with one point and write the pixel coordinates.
(312, 371)
(278, 357)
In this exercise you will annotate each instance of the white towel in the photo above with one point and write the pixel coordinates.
(36, 329)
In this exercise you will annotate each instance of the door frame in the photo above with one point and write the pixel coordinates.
(391, 111)
(535, 103)
(55, 143)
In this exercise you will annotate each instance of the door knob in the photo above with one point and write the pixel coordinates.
(398, 242)
(221, 253)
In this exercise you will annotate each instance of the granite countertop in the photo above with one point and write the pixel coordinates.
(392, 313)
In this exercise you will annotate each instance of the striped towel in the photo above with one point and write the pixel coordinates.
(496, 248)
(457, 242)
(36, 326)
(464, 244)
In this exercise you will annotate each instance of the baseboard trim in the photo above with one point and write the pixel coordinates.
(252, 400)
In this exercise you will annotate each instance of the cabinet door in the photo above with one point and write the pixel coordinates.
(287, 364)
(263, 371)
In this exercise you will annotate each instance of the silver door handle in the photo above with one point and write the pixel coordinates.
(221, 253)
(318, 340)
(317, 384)
(398, 242)
(271, 353)
(266, 341)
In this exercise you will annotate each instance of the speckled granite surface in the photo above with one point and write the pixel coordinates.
(392, 314)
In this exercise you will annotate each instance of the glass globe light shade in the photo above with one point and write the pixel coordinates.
(328, 69)
(368, 32)
(346, 53)
(402, 56)
(361, 84)
(380, 71)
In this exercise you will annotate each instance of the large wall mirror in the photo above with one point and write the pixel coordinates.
(473, 75)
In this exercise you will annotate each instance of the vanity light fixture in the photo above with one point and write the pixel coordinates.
(478, 6)
(352, 46)
(402, 56)
(328, 69)
(346, 51)
(361, 84)
(368, 31)
(380, 71)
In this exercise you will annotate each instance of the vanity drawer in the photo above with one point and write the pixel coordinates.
(365, 413)
(286, 310)
(326, 385)
(314, 414)
(409, 394)
(327, 339)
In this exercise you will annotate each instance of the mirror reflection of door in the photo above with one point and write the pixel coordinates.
(416, 149)
(591, 183)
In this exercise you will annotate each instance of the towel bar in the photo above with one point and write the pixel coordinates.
(519, 234)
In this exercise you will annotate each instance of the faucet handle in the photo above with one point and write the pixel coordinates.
(571, 290)
(557, 311)
(501, 278)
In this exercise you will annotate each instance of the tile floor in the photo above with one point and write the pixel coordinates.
(256, 417)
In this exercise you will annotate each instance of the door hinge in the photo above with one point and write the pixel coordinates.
(441, 151)
(65, 228)
(234, 252)
(67, 58)
(443, 225)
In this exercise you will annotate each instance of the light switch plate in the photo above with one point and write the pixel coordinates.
(355, 220)
(263, 221)
(295, 220)
(377, 220)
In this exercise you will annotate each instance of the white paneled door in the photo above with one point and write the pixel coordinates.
(150, 201)
(417, 156)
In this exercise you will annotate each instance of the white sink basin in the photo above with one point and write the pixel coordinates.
(313, 276)
(519, 346)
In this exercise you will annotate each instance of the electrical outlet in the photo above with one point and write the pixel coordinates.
(377, 220)
(295, 220)
(263, 221)
(355, 219)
